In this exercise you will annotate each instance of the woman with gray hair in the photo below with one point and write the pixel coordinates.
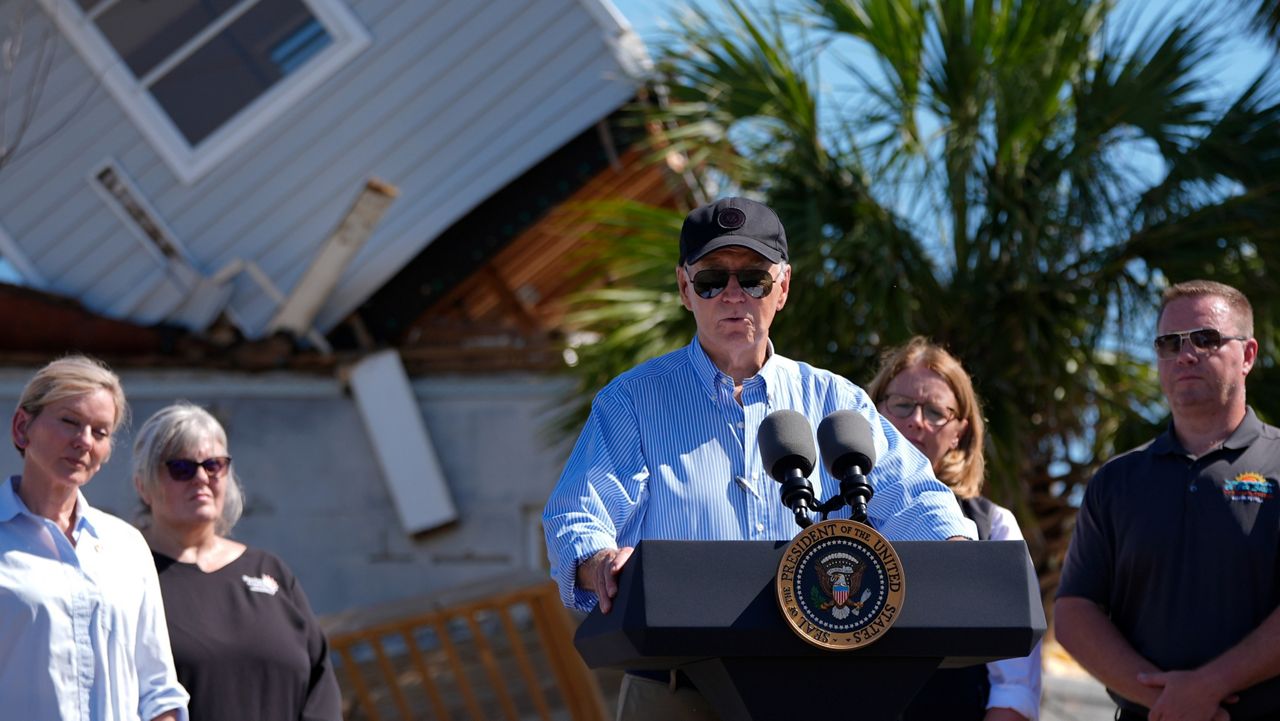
(246, 643)
(82, 626)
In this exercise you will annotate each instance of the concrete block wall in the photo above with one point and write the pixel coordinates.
(314, 492)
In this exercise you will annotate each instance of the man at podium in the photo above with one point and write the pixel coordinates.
(669, 450)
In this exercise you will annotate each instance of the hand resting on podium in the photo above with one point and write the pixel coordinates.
(599, 574)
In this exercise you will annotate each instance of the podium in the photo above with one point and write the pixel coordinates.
(710, 609)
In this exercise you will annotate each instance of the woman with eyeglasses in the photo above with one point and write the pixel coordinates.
(927, 395)
(245, 641)
(82, 625)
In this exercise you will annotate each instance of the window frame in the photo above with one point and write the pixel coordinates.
(191, 163)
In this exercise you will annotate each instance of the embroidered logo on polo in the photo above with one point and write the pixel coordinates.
(1249, 487)
(840, 585)
(263, 584)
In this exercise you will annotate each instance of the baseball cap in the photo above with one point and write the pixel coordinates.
(732, 221)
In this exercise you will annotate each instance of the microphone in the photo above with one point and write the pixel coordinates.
(786, 446)
(850, 452)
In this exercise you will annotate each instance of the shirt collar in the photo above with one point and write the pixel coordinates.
(1242, 437)
(710, 377)
(1246, 433)
(11, 506)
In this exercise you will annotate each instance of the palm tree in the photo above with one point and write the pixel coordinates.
(1266, 19)
(1016, 179)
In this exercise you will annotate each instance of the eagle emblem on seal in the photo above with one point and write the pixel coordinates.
(840, 576)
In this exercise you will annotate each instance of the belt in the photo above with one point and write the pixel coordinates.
(672, 678)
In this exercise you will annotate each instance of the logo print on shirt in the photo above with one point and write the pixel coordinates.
(266, 584)
(1249, 487)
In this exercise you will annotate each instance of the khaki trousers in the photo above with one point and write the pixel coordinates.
(641, 699)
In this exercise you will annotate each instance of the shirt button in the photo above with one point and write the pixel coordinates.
(741, 425)
(759, 528)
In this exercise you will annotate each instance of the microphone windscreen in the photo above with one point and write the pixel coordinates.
(845, 439)
(786, 442)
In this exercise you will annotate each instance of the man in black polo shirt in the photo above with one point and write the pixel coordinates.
(1170, 587)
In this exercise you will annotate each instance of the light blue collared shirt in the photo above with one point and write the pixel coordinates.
(668, 453)
(82, 627)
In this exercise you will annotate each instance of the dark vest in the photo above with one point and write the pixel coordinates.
(981, 512)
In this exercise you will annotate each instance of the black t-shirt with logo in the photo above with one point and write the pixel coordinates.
(1181, 552)
(246, 644)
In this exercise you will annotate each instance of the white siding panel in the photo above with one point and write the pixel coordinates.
(470, 117)
(140, 160)
(502, 142)
(417, 106)
(373, 12)
(149, 302)
(109, 251)
(67, 88)
(454, 99)
(127, 303)
(369, 271)
(483, 116)
(69, 232)
(252, 305)
(61, 165)
(57, 107)
(386, 68)
(297, 166)
(99, 232)
(41, 182)
(476, 170)
(66, 83)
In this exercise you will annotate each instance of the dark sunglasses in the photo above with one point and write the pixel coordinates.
(184, 469)
(755, 282)
(1208, 340)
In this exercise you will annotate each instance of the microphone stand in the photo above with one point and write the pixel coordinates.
(855, 492)
(797, 494)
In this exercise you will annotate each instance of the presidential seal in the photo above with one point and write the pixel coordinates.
(840, 585)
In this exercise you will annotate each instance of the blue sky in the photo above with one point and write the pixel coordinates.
(1237, 62)
(1243, 56)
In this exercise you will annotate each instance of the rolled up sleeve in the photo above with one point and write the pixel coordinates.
(599, 492)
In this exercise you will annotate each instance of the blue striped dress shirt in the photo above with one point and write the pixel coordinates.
(668, 453)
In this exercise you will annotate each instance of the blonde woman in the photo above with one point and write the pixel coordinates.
(927, 395)
(246, 643)
(82, 625)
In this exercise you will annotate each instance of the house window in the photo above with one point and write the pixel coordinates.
(202, 77)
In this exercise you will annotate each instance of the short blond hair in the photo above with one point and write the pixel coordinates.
(68, 377)
(963, 467)
(1241, 309)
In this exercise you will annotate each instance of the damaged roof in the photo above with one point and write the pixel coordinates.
(117, 200)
